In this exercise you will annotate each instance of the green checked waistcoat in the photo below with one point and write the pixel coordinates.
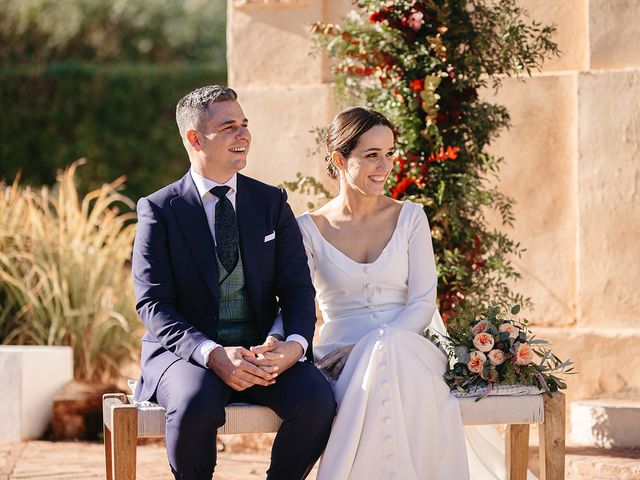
(236, 325)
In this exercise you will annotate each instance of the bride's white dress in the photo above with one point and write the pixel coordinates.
(396, 417)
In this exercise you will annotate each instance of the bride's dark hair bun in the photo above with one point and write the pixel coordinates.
(345, 130)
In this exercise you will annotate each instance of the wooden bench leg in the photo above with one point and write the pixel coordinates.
(552, 432)
(517, 443)
(123, 444)
(108, 452)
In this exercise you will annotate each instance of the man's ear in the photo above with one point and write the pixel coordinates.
(193, 137)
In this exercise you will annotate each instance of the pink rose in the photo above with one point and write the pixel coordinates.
(476, 362)
(483, 342)
(496, 357)
(524, 354)
(415, 21)
(510, 329)
(480, 327)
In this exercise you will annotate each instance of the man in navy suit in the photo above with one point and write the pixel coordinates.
(216, 256)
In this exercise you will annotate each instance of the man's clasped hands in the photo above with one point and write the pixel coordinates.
(241, 368)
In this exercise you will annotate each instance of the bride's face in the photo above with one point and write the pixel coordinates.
(370, 162)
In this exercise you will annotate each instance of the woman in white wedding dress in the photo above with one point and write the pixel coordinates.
(373, 268)
(372, 264)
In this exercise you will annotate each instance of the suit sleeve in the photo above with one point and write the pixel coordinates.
(154, 287)
(423, 277)
(293, 286)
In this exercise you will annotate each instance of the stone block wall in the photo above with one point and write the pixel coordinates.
(572, 162)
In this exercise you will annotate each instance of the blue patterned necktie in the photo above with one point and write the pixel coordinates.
(226, 228)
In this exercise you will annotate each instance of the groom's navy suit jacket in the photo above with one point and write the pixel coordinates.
(176, 276)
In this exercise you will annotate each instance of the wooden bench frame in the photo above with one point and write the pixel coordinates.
(120, 420)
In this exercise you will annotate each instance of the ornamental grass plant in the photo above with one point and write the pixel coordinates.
(64, 273)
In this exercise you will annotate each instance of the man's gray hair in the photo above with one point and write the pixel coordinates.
(192, 109)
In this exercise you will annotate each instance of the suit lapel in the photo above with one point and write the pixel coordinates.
(193, 222)
(251, 227)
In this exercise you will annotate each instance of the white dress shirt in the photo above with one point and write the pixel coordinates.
(209, 200)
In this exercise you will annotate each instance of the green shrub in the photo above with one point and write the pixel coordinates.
(65, 276)
(166, 31)
(120, 117)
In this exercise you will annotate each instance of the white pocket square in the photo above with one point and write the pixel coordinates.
(269, 237)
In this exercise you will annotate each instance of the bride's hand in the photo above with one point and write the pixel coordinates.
(335, 361)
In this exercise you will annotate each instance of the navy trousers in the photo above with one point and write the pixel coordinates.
(194, 399)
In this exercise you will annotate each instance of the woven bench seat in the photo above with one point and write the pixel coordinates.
(240, 418)
(125, 422)
(502, 410)
(246, 418)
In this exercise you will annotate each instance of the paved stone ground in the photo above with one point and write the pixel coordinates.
(83, 460)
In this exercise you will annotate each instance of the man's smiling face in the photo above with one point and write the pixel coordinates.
(223, 143)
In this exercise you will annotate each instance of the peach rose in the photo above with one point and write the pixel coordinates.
(496, 357)
(480, 327)
(476, 362)
(510, 329)
(483, 342)
(524, 354)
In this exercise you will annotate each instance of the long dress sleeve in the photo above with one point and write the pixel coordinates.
(308, 245)
(423, 276)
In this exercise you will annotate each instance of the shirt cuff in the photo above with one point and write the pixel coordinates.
(277, 326)
(302, 341)
(205, 351)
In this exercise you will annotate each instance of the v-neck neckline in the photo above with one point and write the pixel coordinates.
(340, 252)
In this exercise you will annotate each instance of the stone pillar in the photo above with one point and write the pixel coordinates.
(573, 167)
(281, 87)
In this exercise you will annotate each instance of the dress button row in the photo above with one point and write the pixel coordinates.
(381, 332)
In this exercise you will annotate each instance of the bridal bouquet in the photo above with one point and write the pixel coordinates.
(492, 347)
